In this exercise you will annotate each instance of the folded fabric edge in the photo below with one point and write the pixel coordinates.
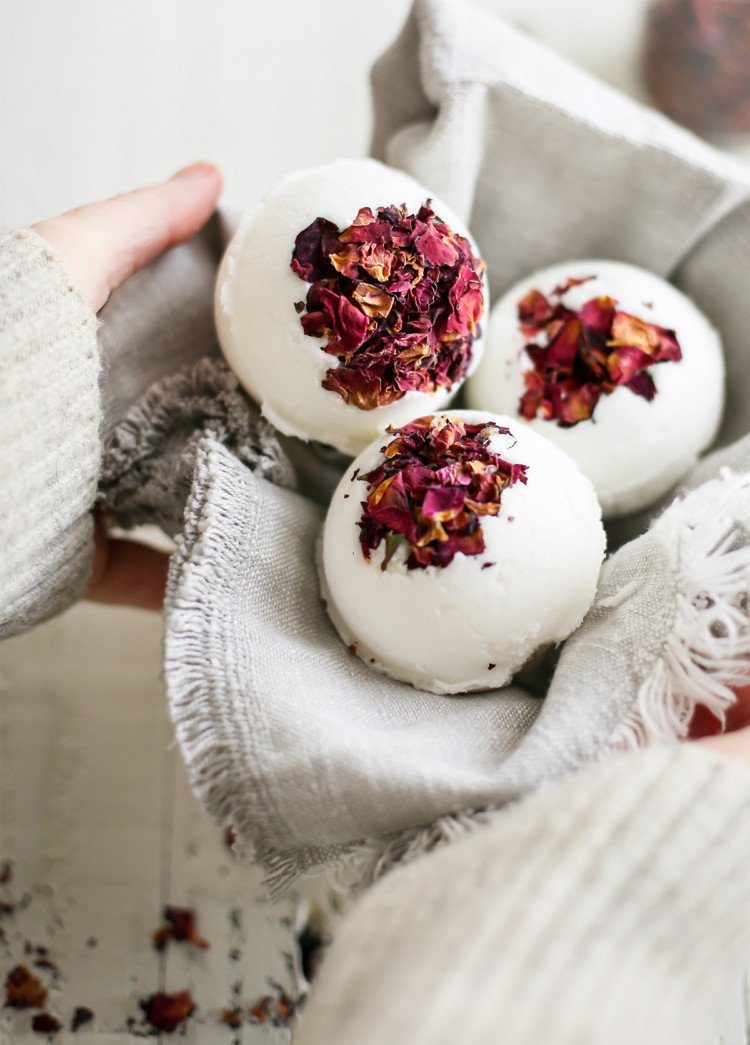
(134, 448)
(362, 865)
(708, 649)
(206, 754)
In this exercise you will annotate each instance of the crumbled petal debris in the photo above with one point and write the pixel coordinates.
(166, 1012)
(24, 990)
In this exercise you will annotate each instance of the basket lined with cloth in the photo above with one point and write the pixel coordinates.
(311, 757)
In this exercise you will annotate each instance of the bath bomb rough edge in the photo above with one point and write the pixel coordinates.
(633, 450)
(441, 628)
(259, 329)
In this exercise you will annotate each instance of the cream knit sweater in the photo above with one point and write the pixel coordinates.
(613, 907)
(49, 433)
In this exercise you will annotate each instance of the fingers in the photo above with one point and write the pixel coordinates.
(125, 573)
(104, 243)
(732, 745)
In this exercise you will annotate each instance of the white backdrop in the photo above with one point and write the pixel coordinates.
(102, 95)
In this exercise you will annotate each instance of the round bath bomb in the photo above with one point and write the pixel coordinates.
(350, 299)
(455, 547)
(614, 365)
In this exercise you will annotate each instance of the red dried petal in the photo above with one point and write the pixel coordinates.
(434, 249)
(597, 316)
(585, 354)
(24, 990)
(624, 363)
(81, 1016)
(166, 1012)
(443, 503)
(642, 384)
(180, 927)
(373, 301)
(45, 1023)
(534, 312)
(571, 281)
(278, 1010)
(310, 258)
(232, 1017)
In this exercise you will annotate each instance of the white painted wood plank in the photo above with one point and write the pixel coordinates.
(84, 744)
(251, 938)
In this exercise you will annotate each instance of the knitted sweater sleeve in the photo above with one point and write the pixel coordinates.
(610, 909)
(49, 433)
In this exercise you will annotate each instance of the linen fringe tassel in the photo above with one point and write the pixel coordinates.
(708, 649)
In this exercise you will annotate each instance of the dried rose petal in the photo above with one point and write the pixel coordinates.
(278, 1010)
(166, 1012)
(585, 354)
(24, 990)
(232, 1017)
(80, 1016)
(260, 1011)
(180, 927)
(439, 478)
(397, 298)
(45, 1023)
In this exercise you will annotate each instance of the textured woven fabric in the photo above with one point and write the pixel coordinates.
(610, 909)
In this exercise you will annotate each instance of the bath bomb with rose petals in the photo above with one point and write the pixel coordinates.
(615, 366)
(456, 547)
(349, 300)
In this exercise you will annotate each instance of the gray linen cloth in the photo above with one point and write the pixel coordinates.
(287, 736)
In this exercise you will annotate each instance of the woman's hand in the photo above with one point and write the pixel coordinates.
(735, 741)
(101, 245)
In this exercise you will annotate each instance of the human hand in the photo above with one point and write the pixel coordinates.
(735, 740)
(102, 244)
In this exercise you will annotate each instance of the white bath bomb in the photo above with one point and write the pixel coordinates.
(387, 317)
(642, 437)
(424, 583)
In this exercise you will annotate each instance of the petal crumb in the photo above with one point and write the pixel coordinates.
(45, 1023)
(166, 1012)
(24, 990)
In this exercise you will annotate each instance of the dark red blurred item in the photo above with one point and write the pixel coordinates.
(81, 1016)
(697, 63)
(166, 1012)
(24, 990)
(45, 1023)
(180, 926)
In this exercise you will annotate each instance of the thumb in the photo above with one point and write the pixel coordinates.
(104, 243)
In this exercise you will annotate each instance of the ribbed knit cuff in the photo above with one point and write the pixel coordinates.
(49, 433)
(611, 908)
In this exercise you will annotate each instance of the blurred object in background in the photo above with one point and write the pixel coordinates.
(697, 63)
